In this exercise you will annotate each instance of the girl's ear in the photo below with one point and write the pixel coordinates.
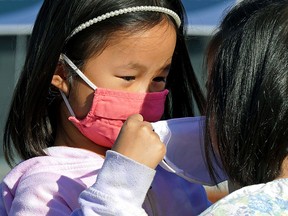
(60, 80)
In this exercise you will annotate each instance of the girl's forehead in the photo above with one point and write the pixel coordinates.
(163, 31)
(151, 48)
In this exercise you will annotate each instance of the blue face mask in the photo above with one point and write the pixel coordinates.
(185, 155)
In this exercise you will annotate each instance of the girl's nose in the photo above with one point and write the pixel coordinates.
(150, 84)
(146, 88)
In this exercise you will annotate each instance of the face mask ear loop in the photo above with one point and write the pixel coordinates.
(166, 166)
(79, 72)
(67, 103)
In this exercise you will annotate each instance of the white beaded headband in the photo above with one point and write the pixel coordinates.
(123, 11)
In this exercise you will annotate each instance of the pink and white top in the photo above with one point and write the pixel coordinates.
(72, 181)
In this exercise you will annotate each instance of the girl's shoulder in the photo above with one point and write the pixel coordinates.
(60, 161)
(55, 180)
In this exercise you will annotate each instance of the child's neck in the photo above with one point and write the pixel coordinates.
(284, 169)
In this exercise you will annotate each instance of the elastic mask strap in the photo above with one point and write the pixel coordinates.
(166, 166)
(67, 103)
(79, 72)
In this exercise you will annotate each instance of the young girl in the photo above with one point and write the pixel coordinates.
(90, 65)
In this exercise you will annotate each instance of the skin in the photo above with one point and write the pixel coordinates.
(284, 169)
(134, 63)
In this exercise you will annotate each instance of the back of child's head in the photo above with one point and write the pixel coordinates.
(34, 114)
(247, 114)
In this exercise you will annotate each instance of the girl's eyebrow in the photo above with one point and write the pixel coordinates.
(137, 66)
(142, 67)
(168, 66)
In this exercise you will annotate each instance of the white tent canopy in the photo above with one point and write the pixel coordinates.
(17, 17)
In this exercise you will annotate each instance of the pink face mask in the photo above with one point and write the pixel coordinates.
(110, 109)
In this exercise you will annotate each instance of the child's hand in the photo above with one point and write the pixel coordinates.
(138, 141)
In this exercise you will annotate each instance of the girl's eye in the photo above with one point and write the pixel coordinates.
(128, 78)
(159, 79)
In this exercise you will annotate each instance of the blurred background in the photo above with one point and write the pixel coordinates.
(16, 23)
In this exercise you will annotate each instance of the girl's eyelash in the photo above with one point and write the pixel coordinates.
(128, 78)
(156, 79)
(159, 79)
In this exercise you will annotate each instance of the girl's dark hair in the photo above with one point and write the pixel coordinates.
(247, 104)
(32, 121)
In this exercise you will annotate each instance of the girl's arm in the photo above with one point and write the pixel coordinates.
(120, 188)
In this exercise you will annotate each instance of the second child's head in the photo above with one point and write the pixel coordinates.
(247, 112)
